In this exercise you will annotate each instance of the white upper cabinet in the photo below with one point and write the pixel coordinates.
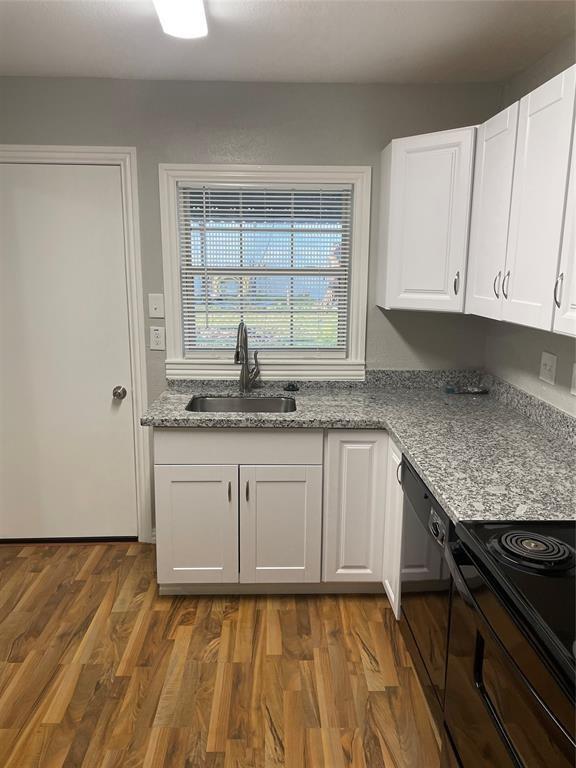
(565, 287)
(538, 200)
(425, 209)
(354, 499)
(492, 194)
(281, 524)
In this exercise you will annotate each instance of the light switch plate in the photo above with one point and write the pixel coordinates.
(155, 305)
(157, 337)
(548, 367)
(573, 385)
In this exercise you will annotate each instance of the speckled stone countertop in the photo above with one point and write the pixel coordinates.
(481, 458)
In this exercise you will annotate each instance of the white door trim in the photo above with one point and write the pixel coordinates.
(125, 159)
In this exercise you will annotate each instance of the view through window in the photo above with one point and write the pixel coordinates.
(276, 257)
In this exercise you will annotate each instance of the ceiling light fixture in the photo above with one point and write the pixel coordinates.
(182, 18)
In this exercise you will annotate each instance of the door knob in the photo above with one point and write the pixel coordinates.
(119, 393)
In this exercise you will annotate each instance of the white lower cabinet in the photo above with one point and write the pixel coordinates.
(280, 523)
(354, 498)
(197, 523)
(393, 526)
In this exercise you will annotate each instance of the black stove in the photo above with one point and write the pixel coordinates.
(534, 563)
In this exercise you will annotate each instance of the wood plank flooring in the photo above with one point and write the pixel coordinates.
(97, 670)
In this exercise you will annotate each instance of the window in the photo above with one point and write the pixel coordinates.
(284, 249)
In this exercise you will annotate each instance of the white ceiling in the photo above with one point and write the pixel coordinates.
(285, 40)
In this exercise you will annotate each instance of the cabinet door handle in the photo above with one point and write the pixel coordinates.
(457, 283)
(399, 473)
(247, 490)
(497, 282)
(559, 281)
(229, 490)
(505, 284)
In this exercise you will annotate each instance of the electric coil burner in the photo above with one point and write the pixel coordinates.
(533, 550)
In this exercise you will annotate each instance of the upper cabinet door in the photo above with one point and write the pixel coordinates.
(426, 190)
(493, 171)
(565, 288)
(354, 499)
(281, 524)
(538, 198)
(196, 524)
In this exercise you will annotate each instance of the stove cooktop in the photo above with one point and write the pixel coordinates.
(538, 560)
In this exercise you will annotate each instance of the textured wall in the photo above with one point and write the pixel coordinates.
(258, 123)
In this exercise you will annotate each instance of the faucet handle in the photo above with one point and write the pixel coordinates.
(255, 372)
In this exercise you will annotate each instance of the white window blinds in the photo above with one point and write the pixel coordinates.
(276, 257)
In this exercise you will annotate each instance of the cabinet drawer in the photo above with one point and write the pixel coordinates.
(237, 446)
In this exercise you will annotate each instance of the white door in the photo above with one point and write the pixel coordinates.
(280, 524)
(67, 446)
(354, 499)
(565, 288)
(196, 523)
(538, 198)
(392, 557)
(493, 171)
(426, 243)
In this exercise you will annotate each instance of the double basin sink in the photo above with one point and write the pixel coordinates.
(215, 404)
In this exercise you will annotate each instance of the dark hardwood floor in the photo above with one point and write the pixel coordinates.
(97, 670)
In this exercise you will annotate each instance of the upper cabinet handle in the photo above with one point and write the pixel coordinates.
(229, 490)
(497, 282)
(247, 490)
(505, 284)
(457, 283)
(559, 280)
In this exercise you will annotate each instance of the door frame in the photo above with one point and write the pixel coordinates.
(125, 159)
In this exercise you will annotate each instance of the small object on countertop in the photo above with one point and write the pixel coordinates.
(291, 387)
(457, 389)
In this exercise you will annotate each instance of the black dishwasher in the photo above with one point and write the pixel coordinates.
(425, 587)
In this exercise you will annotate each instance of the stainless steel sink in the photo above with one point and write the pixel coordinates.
(242, 404)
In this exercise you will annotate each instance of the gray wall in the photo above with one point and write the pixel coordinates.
(258, 123)
(513, 353)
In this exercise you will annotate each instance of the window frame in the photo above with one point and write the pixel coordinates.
(295, 364)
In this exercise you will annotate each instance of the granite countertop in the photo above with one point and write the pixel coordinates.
(482, 459)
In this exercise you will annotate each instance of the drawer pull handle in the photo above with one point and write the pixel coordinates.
(497, 282)
(457, 283)
(557, 284)
(505, 284)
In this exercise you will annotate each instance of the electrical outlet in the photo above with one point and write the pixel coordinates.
(573, 385)
(548, 368)
(155, 305)
(157, 337)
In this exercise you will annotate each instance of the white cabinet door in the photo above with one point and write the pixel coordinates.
(392, 559)
(426, 190)
(354, 498)
(493, 171)
(280, 523)
(196, 524)
(565, 288)
(538, 199)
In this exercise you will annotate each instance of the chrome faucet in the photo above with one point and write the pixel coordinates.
(248, 376)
